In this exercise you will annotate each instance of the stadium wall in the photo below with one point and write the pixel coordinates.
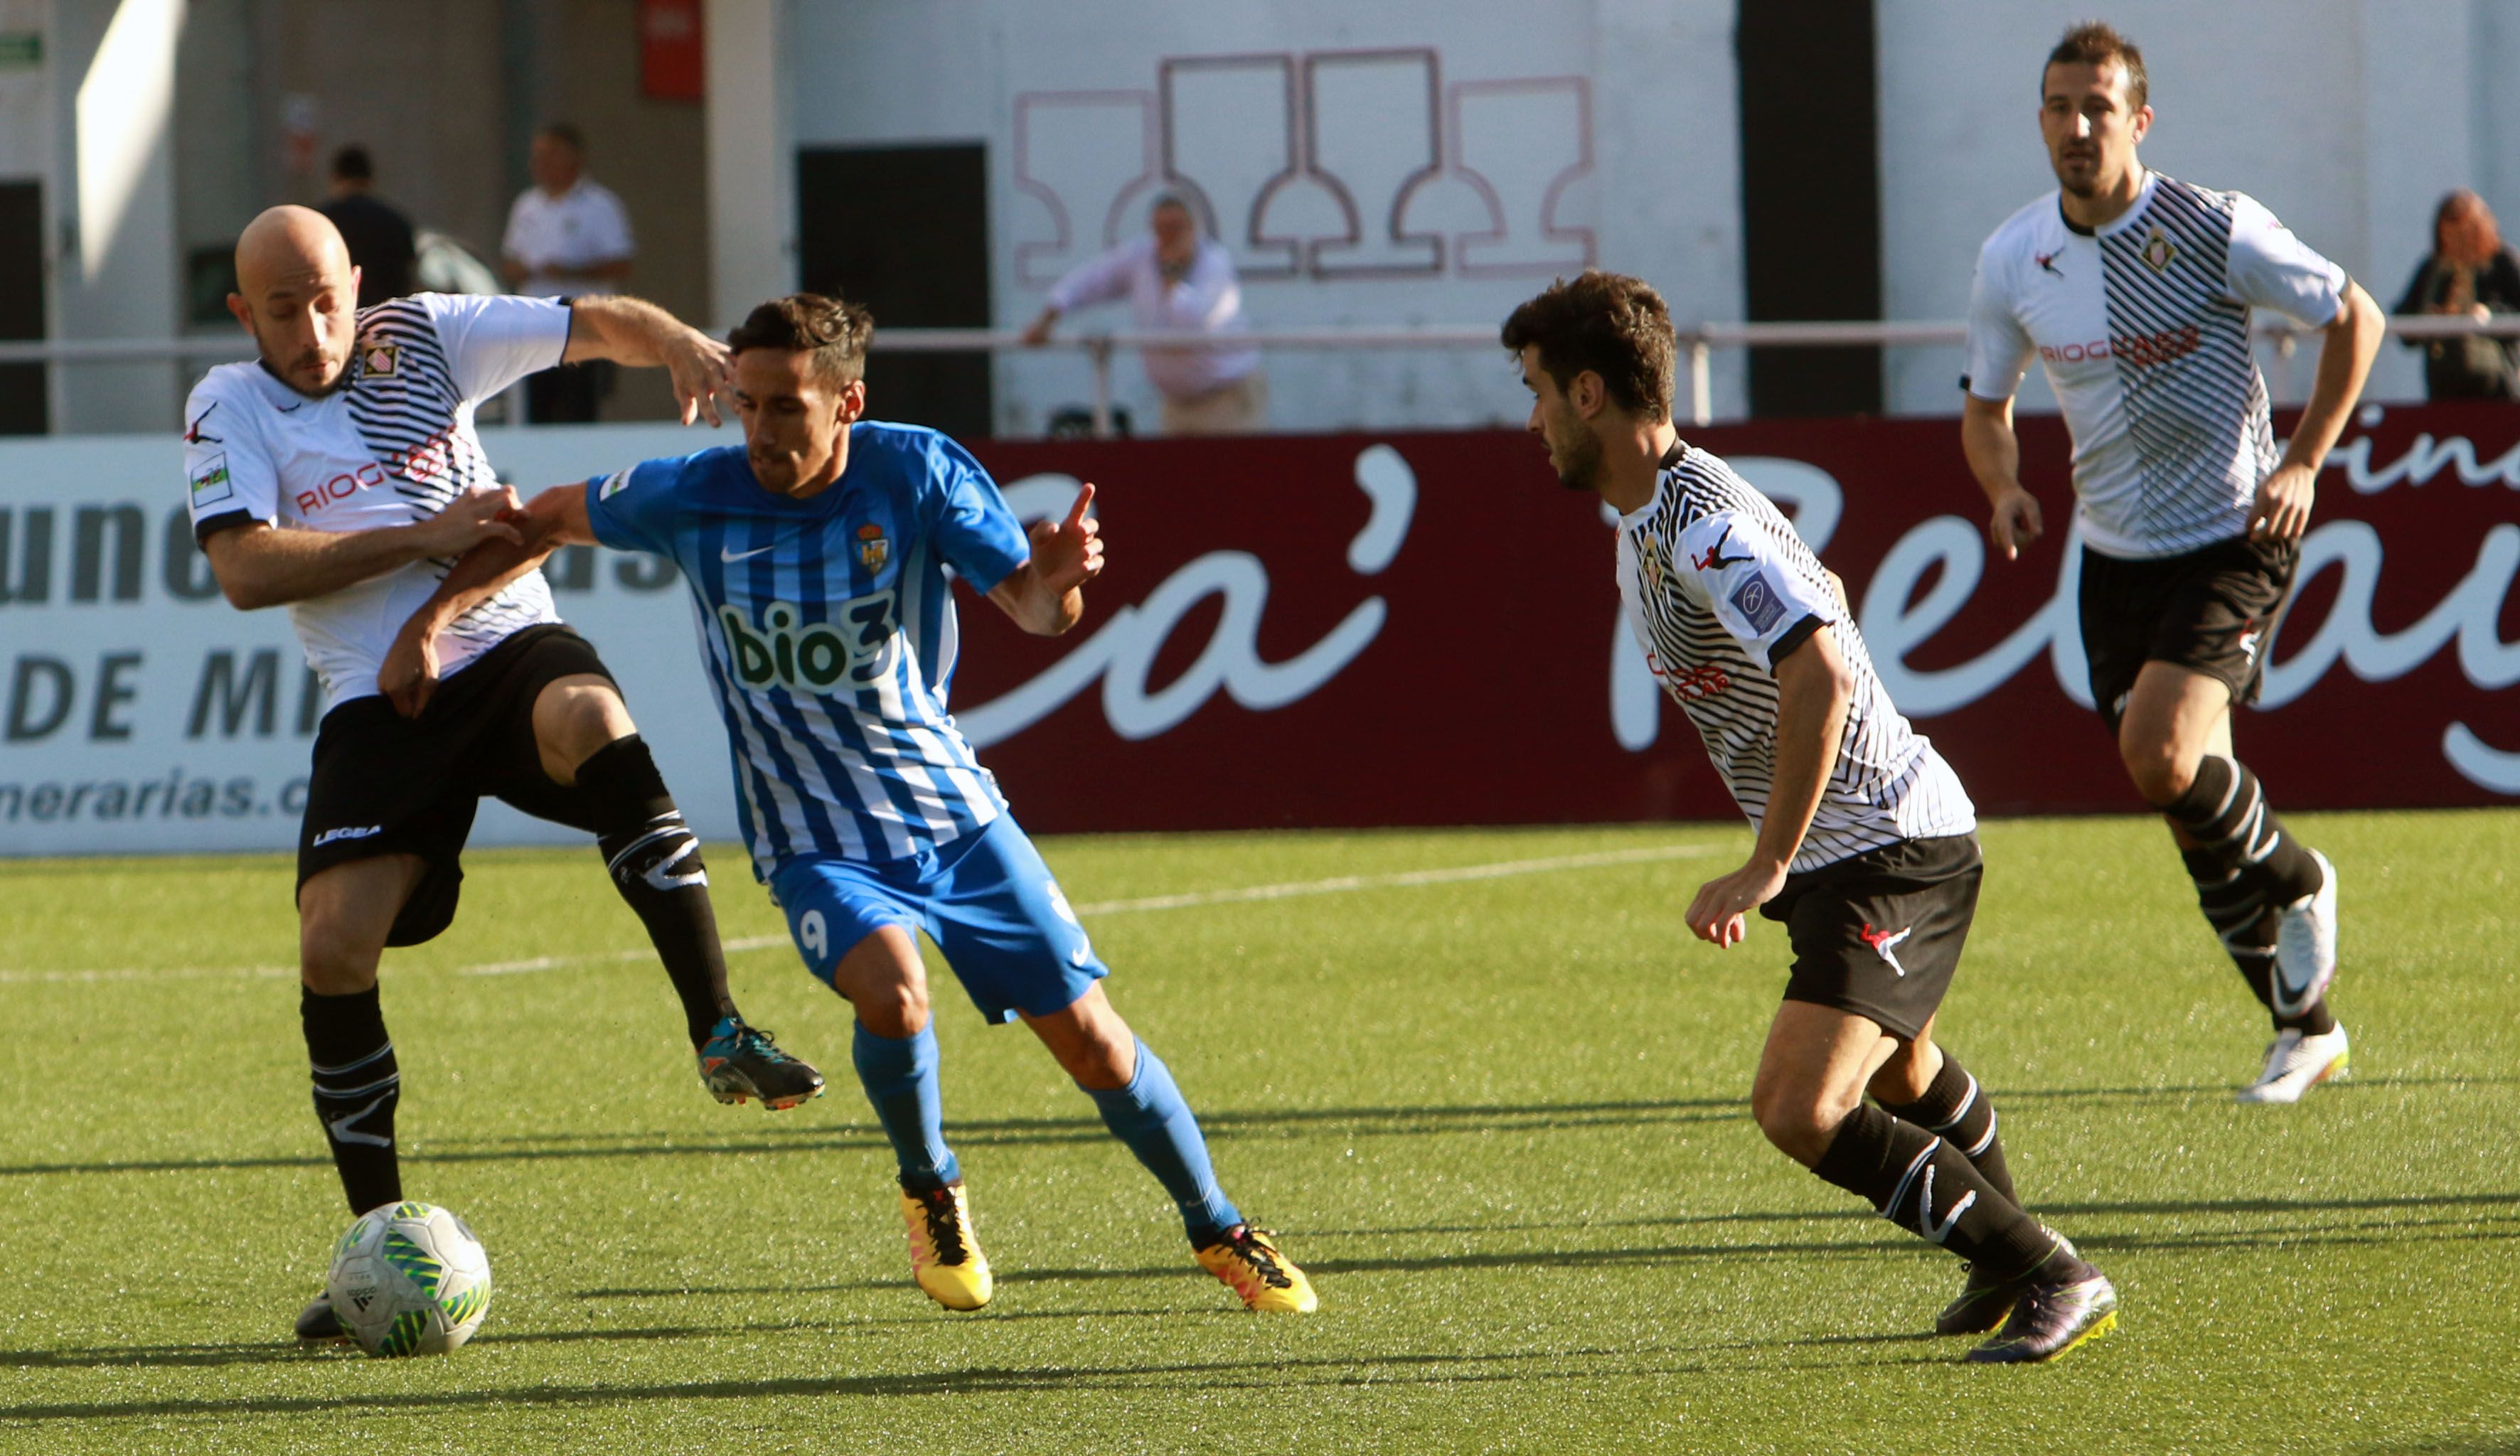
(1391, 164)
(1350, 629)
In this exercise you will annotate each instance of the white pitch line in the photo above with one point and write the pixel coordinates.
(1245, 895)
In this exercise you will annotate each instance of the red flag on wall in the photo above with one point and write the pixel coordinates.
(669, 50)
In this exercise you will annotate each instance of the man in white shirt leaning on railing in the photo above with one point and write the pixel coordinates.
(1176, 279)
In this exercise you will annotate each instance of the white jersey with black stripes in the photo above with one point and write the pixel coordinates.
(1717, 590)
(2143, 324)
(392, 444)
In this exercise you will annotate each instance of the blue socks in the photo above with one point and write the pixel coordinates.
(899, 1075)
(1150, 1117)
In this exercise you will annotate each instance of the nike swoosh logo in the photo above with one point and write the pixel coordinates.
(724, 555)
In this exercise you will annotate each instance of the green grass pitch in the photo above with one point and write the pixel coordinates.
(1500, 1119)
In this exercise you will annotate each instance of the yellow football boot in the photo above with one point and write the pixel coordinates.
(1248, 1260)
(945, 1255)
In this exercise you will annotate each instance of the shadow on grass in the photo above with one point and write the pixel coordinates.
(998, 1132)
(1358, 1121)
(290, 1353)
(1268, 1375)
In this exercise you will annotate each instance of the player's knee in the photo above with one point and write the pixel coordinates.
(895, 1009)
(2161, 773)
(334, 956)
(1793, 1119)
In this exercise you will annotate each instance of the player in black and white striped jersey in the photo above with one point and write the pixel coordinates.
(1866, 848)
(2134, 291)
(339, 473)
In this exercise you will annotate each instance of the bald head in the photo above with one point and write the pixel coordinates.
(299, 295)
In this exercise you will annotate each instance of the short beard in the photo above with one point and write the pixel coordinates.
(1583, 469)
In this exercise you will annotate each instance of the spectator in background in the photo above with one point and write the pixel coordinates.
(568, 237)
(379, 237)
(2470, 274)
(1176, 279)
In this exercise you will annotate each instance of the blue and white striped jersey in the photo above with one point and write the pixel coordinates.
(827, 628)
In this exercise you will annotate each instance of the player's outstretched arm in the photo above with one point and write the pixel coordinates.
(1994, 453)
(639, 333)
(2350, 342)
(1813, 689)
(1046, 596)
(261, 565)
(556, 518)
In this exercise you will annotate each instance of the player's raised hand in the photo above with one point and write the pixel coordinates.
(2281, 512)
(1068, 554)
(1716, 916)
(699, 368)
(2015, 523)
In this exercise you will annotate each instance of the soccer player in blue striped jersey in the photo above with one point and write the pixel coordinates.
(821, 557)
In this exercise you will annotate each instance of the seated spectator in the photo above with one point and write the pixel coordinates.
(1176, 279)
(2470, 274)
(379, 237)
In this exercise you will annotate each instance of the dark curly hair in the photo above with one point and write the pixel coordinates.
(1610, 324)
(836, 329)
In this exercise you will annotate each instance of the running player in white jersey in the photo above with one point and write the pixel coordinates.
(1866, 846)
(822, 558)
(339, 473)
(2134, 291)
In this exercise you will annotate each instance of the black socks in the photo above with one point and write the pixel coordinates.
(2245, 867)
(2248, 929)
(356, 1088)
(1927, 1186)
(2227, 814)
(1955, 1108)
(656, 864)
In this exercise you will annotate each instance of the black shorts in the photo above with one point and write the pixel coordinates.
(2212, 611)
(1878, 934)
(385, 784)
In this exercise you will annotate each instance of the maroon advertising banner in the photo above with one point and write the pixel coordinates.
(1366, 629)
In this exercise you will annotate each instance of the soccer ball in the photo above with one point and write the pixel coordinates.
(409, 1279)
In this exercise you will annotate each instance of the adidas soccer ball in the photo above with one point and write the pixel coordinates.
(409, 1279)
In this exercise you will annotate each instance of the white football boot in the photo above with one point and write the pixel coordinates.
(2305, 945)
(2295, 1063)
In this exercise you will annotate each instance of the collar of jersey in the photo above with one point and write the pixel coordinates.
(1662, 472)
(2119, 223)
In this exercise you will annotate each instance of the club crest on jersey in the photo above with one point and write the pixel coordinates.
(2158, 251)
(1649, 562)
(873, 549)
(378, 357)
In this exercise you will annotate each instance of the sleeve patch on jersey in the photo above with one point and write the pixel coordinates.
(1757, 601)
(210, 483)
(613, 485)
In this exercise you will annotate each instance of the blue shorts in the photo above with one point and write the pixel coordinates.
(986, 899)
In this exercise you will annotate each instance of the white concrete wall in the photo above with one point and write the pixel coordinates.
(2348, 117)
(1599, 132)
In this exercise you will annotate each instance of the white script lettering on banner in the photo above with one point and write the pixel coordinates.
(1123, 653)
(1899, 614)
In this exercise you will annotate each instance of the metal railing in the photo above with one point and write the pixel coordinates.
(1697, 343)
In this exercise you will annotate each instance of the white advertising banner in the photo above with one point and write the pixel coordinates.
(141, 712)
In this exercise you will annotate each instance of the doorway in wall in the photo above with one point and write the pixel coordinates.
(905, 231)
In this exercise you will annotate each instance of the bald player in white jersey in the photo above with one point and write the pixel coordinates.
(338, 473)
(2135, 291)
(1866, 846)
